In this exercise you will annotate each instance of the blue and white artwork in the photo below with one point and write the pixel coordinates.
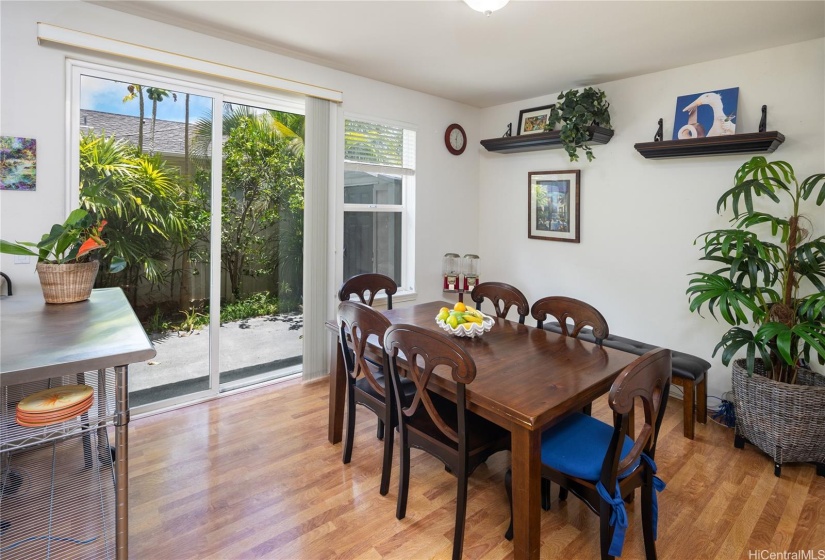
(711, 113)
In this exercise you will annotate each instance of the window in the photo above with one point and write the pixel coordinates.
(379, 182)
(206, 205)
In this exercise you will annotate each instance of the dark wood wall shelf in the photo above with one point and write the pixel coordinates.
(752, 142)
(540, 141)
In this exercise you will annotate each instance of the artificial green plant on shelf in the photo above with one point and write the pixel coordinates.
(772, 272)
(577, 111)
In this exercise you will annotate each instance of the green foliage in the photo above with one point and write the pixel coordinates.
(142, 199)
(256, 305)
(577, 111)
(762, 282)
(157, 323)
(262, 196)
(193, 320)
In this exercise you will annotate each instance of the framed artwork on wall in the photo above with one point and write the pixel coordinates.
(18, 163)
(553, 205)
(533, 121)
(701, 115)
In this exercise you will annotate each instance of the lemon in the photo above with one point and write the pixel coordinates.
(460, 307)
(443, 314)
(467, 326)
(452, 320)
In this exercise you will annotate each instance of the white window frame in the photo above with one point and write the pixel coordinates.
(406, 288)
(220, 94)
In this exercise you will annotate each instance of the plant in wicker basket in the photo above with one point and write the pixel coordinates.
(771, 277)
(66, 272)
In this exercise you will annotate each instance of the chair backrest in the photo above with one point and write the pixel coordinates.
(648, 379)
(369, 283)
(8, 282)
(563, 308)
(357, 322)
(422, 351)
(503, 296)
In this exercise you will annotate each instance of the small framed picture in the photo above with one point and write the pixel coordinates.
(532, 121)
(553, 205)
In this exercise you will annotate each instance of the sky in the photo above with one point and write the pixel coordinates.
(98, 94)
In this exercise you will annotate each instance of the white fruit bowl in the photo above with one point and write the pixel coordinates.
(476, 329)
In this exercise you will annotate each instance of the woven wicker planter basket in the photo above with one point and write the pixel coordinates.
(785, 421)
(67, 283)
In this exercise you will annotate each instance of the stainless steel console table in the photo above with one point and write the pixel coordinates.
(89, 342)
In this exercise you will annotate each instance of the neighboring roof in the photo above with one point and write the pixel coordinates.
(168, 134)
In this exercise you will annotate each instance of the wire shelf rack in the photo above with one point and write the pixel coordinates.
(58, 500)
(16, 438)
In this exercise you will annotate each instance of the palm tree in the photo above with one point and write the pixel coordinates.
(156, 95)
(136, 90)
(140, 197)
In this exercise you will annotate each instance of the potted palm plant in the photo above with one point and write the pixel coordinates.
(578, 111)
(66, 271)
(771, 279)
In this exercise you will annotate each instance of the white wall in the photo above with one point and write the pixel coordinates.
(33, 104)
(639, 217)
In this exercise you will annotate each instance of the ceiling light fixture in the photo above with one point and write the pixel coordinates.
(486, 7)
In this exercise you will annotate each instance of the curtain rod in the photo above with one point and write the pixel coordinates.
(47, 33)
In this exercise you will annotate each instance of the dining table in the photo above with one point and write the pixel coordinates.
(527, 379)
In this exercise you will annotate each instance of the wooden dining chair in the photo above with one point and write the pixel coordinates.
(503, 297)
(367, 286)
(582, 314)
(366, 382)
(601, 464)
(445, 429)
(563, 309)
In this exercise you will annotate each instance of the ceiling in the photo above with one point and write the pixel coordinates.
(528, 49)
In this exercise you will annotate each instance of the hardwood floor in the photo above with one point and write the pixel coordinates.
(253, 476)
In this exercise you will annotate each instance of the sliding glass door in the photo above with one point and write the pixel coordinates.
(262, 217)
(208, 214)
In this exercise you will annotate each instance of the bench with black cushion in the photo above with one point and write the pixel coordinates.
(689, 373)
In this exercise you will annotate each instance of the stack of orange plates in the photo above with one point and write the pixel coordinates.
(54, 405)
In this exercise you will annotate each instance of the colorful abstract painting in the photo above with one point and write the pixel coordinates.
(18, 163)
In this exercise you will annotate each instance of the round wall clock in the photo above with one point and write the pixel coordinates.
(456, 139)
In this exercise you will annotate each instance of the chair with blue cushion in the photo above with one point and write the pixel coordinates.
(571, 315)
(367, 383)
(503, 297)
(602, 465)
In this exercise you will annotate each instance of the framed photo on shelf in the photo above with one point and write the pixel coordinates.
(706, 114)
(533, 121)
(553, 205)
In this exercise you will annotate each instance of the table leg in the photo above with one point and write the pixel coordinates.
(102, 441)
(526, 465)
(121, 463)
(337, 394)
